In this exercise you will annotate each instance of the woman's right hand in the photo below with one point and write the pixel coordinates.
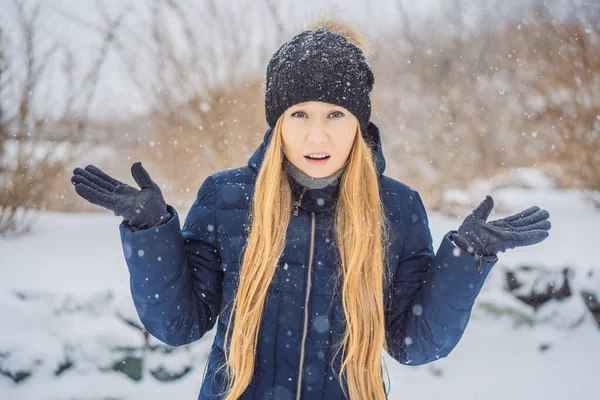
(141, 208)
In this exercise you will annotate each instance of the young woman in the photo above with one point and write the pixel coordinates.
(311, 259)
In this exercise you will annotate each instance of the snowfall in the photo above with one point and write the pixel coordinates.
(68, 320)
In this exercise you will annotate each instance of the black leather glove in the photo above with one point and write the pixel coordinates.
(141, 209)
(485, 239)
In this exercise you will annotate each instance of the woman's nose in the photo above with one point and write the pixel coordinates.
(317, 132)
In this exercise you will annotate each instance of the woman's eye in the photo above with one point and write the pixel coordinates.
(339, 114)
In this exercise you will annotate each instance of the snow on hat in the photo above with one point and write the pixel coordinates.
(323, 64)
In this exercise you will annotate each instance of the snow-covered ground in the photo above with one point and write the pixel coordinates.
(64, 294)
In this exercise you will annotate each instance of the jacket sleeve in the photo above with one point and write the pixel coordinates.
(175, 274)
(432, 293)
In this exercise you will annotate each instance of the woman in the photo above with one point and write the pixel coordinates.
(311, 258)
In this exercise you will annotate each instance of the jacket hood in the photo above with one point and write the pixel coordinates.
(256, 159)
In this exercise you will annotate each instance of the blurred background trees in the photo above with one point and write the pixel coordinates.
(39, 138)
(464, 90)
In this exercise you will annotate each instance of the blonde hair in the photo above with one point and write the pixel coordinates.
(361, 235)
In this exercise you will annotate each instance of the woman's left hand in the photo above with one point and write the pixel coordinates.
(476, 235)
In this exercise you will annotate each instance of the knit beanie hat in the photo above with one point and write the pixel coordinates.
(319, 65)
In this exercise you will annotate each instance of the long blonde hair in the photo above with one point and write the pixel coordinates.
(361, 235)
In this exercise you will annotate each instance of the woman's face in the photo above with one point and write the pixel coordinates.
(314, 127)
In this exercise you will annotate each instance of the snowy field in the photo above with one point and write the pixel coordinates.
(69, 321)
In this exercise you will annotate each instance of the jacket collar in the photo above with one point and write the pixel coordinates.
(323, 199)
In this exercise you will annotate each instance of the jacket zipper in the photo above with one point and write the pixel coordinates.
(310, 257)
(297, 202)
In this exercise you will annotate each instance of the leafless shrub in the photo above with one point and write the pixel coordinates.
(34, 148)
(206, 99)
(455, 101)
(464, 104)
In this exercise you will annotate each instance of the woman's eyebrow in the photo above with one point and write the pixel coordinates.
(304, 110)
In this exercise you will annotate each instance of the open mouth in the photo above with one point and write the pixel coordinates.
(317, 160)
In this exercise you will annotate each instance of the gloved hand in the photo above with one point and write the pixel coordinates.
(141, 209)
(485, 239)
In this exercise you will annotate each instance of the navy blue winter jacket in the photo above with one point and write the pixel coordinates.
(183, 279)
